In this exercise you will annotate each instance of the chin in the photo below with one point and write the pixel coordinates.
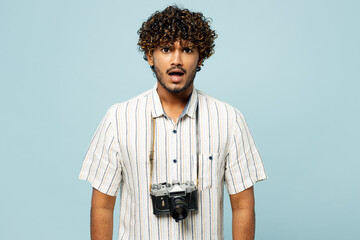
(177, 89)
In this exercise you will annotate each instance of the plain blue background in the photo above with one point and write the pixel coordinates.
(291, 67)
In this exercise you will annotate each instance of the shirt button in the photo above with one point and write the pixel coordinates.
(174, 160)
(210, 157)
(174, 131)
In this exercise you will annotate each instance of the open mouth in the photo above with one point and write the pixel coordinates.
(176, 75)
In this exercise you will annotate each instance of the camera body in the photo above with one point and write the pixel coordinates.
(175, 199)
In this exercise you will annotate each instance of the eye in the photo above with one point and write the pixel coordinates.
(188, 50)
(165, 50)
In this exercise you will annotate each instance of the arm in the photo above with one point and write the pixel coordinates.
(102, 208)
(243, 214)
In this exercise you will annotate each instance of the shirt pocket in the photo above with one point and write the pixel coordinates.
(209, 171)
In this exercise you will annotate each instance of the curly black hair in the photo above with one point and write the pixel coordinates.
(174, 23)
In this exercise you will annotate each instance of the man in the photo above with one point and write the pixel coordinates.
(191, 136)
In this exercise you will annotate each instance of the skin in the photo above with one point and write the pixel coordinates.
(243, 215)
(102, 209)
(174, 96)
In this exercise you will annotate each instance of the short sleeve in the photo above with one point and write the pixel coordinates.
(101, 166)
(244, 166)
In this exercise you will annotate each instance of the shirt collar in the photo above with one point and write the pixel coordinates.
(190, 108)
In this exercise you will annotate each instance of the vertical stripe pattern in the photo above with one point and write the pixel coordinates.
(118, 157)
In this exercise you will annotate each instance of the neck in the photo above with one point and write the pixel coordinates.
(174, 103)
(174, 99)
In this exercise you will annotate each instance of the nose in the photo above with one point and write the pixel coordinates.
(177, 58)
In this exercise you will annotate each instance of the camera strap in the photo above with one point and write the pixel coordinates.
(151, 157)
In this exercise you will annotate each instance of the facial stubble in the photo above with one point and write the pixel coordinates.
(160, 78)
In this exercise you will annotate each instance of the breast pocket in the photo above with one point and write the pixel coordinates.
(209, 171)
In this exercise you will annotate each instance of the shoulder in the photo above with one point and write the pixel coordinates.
(211, 103)
(130, 104)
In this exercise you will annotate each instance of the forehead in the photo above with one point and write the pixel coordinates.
(180, 42)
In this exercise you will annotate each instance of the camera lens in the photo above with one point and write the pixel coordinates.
(178, 208)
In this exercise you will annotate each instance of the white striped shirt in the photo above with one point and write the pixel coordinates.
(118, 156)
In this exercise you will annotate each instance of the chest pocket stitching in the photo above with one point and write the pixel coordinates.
(209, 170)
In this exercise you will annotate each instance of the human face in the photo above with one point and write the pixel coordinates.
(175, 66)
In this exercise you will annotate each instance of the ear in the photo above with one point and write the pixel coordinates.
(150, 58)
(200, 62)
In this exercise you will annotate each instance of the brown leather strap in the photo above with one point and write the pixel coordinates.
(151, 157)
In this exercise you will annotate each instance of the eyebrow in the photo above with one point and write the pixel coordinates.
(185, 45)
(189, 45)
(166, 45)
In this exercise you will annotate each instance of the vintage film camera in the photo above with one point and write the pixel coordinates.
(175, 199)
